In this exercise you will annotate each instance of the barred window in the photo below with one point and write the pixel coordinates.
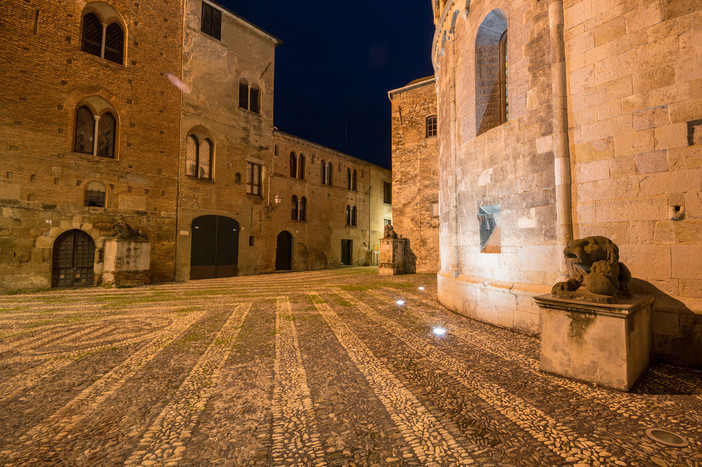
(243, 94)
(431, 126)
(106, 136)
(211, 21)
(85, 131)
(294, 209)
(198, 157)
(303, 209)
(105, 41)
(253, 179)
(94, 195)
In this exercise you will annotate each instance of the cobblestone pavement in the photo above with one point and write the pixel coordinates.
(315, 368)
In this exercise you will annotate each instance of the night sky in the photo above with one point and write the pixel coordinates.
(337, 62)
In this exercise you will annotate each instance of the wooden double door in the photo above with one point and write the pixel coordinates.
(215, 247)
(73, 259)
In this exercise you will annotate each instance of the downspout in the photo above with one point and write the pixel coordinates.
(180, 139)
(561, 150)
(454, 155)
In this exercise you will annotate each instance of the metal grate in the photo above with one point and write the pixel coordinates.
(431, 126)
(243, 94)
(191, 157)
(255, 101)
(85, 131)
(94, 198)
(92, 35)
(205, 156)
(106, 136)
(253, 179)
(114, 43)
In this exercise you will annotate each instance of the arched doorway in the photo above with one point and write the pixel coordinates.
(73, 258)
(214, 250)
(283, 252)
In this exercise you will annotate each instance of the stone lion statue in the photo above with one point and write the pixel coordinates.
(389, 232)
(595, 271)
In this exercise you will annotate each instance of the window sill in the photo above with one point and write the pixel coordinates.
(200, 179)
(250, 112)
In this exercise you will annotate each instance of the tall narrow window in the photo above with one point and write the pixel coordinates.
(353, 216)
(431, 126)
(354, 180)
(243, 94)
(211, 21)
(348, 215)
(491, 106)
(323, 173)
(330, 171)
(85, 131)
(106, 136)
(387, 193)
(348, 179)
(255, 102)
(253, 179)
(301, 164)
(205, 159)
(92, 35)
(303, 209)
(294, 208)
(114, 43)
(191, 156)
(293, 165)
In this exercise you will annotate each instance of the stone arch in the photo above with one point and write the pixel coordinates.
(73, 259)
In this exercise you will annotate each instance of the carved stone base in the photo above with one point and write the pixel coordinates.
(605, 344)
(392, 259)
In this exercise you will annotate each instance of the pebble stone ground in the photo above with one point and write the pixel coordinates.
(316, 368)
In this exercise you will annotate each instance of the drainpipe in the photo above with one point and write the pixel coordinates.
(456, 267)
(561, 150)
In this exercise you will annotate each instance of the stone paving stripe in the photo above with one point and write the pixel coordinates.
(15, 386)
(58, 424)
(295, 434)
(164, 441)
(430, 441)
(539, 425)
(623, 404)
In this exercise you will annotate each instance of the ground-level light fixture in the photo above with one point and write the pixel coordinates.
(666, 437)
(420, 287)
(439, 331)
(399, 302)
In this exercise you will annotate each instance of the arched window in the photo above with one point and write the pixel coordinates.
(348, 179)
(330, 171)
(348, 215)
(354, 180)
(95, 132)
(353, 216)
(293, 165)
(491, 99)
(103, 39)
(294, 208)
(254, 99)
(94, 195)
(243, 94)
(303, 209)
(431, 126)
(323, 173)
(85, 131)
(198, 157)
(301, 163)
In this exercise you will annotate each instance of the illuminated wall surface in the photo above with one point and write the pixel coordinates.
(592, 129)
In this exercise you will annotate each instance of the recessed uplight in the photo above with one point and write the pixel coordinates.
(439, 331)
(420, 288)
(666, 437)
(399, 302)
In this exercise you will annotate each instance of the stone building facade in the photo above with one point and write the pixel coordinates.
(415, 163)
(560, 120)
(157, 115)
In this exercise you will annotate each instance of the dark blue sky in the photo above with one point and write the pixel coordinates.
(337, 62)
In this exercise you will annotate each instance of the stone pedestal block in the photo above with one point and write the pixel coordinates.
(127, 263)
(605, 344)
(392, 256)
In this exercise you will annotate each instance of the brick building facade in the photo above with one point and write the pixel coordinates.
(158, 115)
(565, 119)
(415, 174)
